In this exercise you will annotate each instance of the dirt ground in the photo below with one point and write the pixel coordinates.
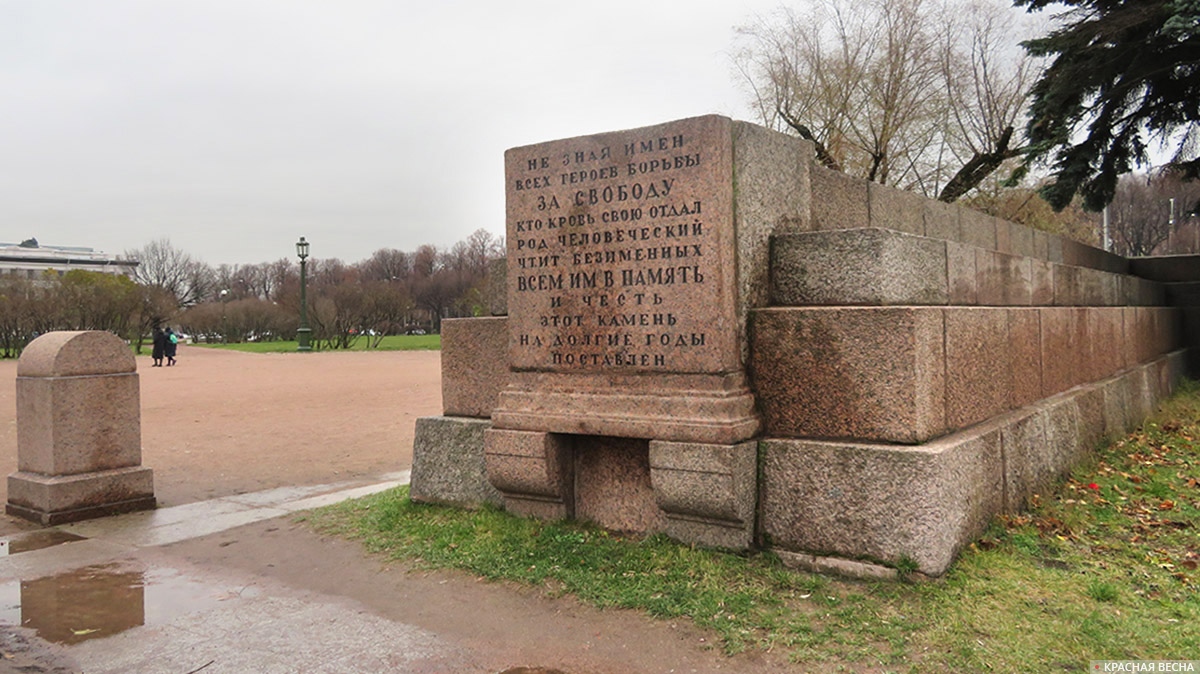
(221, 423)
(225, 422)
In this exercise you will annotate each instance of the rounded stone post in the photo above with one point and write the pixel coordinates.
(79, 433)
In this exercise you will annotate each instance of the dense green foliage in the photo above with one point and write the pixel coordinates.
(1125, 76)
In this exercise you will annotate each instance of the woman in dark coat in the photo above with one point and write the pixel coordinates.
(170, 344)
(160, 347)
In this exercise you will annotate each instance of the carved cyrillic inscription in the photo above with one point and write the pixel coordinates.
(617, 255)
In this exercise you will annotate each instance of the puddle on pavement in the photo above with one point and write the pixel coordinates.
(102, 600)
(532, 670)
(36, 540)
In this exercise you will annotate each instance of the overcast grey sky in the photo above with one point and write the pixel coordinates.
(233, 127)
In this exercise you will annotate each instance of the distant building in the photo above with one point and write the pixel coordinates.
(30, 260)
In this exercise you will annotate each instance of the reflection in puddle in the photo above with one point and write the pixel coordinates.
(36, 540)
(102, 600)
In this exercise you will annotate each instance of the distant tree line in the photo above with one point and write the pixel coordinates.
(390, 292)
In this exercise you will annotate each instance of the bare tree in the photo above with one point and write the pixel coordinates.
(162, 265)
(425, 262)
(913, 93)
(1140, 216)
(481, 248)
(387, 264)
(987, 84)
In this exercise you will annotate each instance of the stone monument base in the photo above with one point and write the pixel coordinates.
(716, 409)
(58, 499)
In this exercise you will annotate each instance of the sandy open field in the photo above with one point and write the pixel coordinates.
(225, 422)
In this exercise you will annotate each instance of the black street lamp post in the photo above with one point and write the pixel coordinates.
(303, 334)
(224, 322)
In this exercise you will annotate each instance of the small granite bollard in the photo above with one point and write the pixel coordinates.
(79, 433)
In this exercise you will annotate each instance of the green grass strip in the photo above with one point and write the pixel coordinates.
(388, 343)
(1105, 567)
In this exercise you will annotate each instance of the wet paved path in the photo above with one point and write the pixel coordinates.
(118, 605)
(236, 585)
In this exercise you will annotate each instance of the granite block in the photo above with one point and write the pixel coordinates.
(1141, 292)
(885, 503)
(1090, 403)
(1025, 357)
(1066, 286)
(836, 566)
(448, 462)
(1145, 339)
(1167, 268)
(530, 465)
(76, 354)
(1076, 254)
(709, 492)
(1004, 236)
(1140, 397)
(978, 365)
(1041, 245)
(569, 282)
(1105, 331)
(1094, 287)
(1064, 442)
(1003, 280)
(79, 439)
(839, 201)
(1189, 321)
(857, 266)
(880, 502)
(1022, 240)
(1111, 291)
(1041, 278)
(1113, 263)
(1117, 412)
(1054, 248)
(962, 273)
(474, 367)
(612, 485)
(942, 220)
(1028, 469)
(1170, 328)
(77, 424)
(868, 373)
(895, 209)
(1180, 294)
(58, 499)
(705, 481)
(1063, 330)
(978, 229)
(772, 192)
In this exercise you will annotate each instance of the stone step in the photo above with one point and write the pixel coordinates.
(843, 202)
(924, 503)
(1167, 268)
(880, 267)
(910, 374)
(1186, 294)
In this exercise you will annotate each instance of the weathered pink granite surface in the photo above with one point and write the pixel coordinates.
(79, 448)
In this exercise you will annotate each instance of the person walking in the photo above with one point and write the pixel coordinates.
(160, 346)
(172, 342)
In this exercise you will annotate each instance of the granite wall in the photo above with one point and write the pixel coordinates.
(862, 377)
